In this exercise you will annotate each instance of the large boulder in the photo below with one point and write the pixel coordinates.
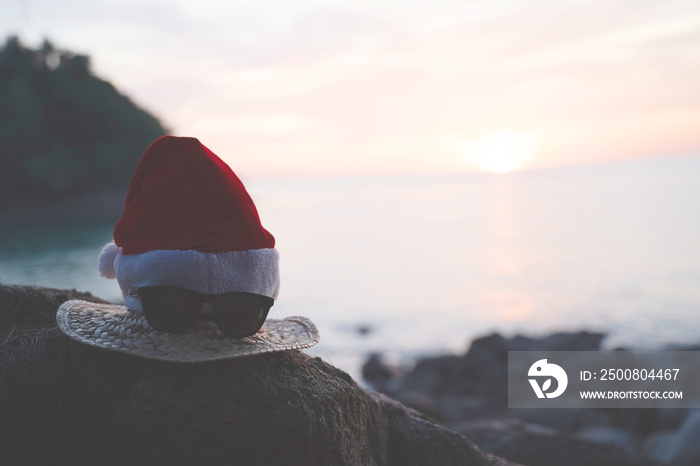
(536, 445)
(25, 308)
(468, 394)
(475, 385)
(67, 403)
(684, 448)
(483, 370)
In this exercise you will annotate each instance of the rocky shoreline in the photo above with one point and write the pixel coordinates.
(468, 394)
(66, 403)
(63, 402)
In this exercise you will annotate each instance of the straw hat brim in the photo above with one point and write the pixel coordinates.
(114, 327)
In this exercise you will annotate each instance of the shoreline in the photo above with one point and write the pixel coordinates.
(468, 394)
(458, 396)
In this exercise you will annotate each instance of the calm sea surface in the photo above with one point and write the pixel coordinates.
(429, 262)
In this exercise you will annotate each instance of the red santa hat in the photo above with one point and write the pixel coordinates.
(189, 222)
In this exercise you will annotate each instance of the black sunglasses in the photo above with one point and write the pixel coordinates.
(173, 309)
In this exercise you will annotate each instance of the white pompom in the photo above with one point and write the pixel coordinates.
(106, 261)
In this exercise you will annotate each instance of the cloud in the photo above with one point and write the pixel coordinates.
(291, 86)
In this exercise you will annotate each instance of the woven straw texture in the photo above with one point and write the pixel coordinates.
(113, 327)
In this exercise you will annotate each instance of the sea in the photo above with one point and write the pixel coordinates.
(419, 265)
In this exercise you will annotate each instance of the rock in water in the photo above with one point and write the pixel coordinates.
(378, 373)
(67, 403)
(685, 449)
(541, 446)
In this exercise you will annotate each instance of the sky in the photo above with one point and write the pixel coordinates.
(411, 86)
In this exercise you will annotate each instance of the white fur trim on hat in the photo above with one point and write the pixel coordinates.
(253, 271)
(105, 263)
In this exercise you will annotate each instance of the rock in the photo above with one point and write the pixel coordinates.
(594, 417)
(67, 403)
(486, 362)
(453, 408)
(494, 348)
(681, 347)
(565, 419)
(611, 435)
(418, 443)
(669, 418)
(658, 445)
(422, 404)
(471, 389)
(685, 448)
(482, 373)
(31, 308)
(565, 341)
(640, 421)
(379, 373)
(540, 446)
(429, 375)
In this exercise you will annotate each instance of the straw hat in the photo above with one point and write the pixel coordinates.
(188, 222)
(116, 328)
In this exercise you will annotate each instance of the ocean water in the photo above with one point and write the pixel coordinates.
(426, 263)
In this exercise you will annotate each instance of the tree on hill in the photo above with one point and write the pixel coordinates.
(64, 131)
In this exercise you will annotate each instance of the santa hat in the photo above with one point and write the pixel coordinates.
(189, 222)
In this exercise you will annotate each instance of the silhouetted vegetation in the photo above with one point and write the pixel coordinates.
(63, 131)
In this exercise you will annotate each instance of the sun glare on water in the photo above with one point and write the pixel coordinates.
(500, 151)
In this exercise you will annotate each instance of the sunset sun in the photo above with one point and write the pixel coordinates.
(500, 151)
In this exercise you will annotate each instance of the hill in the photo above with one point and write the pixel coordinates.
(64, 132)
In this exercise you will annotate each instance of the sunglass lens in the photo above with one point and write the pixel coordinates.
(169, 309)
(240, 315)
